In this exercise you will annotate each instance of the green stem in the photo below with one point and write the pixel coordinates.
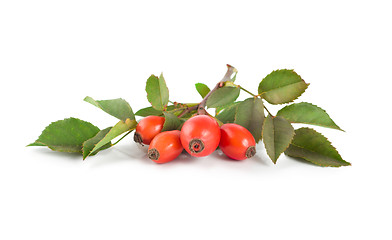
(123, 136)
(187, 110)
(177, 109)
(268, 111)
(254, 95)
(202, 105)
(243, 89)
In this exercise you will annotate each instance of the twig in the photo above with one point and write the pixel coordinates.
(123, 136)
(268, 111)
(187, 110)
(243, 89)
(201, 106)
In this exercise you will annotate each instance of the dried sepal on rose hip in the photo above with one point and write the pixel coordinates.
(148, 128)
(200, 135)
(237, 142)
(165, 147)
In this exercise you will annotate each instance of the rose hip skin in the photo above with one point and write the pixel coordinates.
(148, 128)
(165, 147)
(237, 142)
(200, 135)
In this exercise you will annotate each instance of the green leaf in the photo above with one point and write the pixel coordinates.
(202, 89)
(66, 135)
(171, 122)
(90, 144)
(118, 108)
(250, 114)
(227, 115)
(307, 113)
(282, 86)
(219, 109)
(223, 96)
(36, 144)
(118, 129)
(157, 92)
(148, 111)
(315, 148)
(277, 135)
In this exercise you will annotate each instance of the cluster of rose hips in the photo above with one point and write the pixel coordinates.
(199, 136)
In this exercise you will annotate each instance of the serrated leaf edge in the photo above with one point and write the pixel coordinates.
(277, 114)
(53, 149)
(239, 92)
(236, 114)
(36, 141)
(98, 105)
(306, 87)
(292, 70)
(349, 164)
(262, 132)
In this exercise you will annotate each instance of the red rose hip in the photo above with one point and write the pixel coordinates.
(237, 142)
(148, 128)
(200, 135)
(165, 147)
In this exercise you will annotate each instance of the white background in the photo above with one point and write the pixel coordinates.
(54, 53)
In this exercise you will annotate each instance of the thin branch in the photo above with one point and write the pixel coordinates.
(268, 111)
(123, 136)
(254, 95)
(177, 109)
(243, 89)
(202, 105)
(187, 110)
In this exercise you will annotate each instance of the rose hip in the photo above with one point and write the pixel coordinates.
(165, 147)
(237, 142)
(148, 128)
(200, 135)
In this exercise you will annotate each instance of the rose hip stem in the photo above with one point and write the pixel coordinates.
(201, 106)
